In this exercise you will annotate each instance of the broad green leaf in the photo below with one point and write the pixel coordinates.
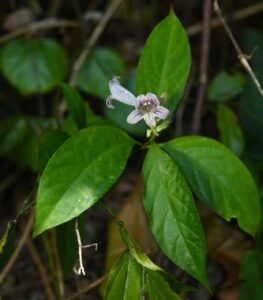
(12, 132)
(79, 173)
(125, 281)
(158, 288)
(145, 261)
(67, 246)
(34, 65)
(218, 178)
(165, 61)
(230, 132)
(225, 87)
(76, 105)
(172, 213)
(100, 67)
(49, 142)
(252, 275)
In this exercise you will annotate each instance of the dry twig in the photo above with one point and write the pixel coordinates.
(205, 47)
(237, 15)
(91, 286)
(81, 269)
(18, 248)
(38, 26)
(92, 41)
(241, 56)
(41, 269)
(58, 270)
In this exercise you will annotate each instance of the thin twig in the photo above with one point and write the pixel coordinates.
(91, 286)
(58, 270)
(181, 107)
(92, 41)
(38, 26)
(241, 56)
(237, 15)
(81, 269)
(41, 269)
(18, 248)
(205, 48)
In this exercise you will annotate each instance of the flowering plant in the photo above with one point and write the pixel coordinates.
(87, 164)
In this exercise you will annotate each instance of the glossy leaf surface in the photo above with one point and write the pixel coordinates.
(35, 65)
(218, 178)
(172, 214)
(165, 61)
(79, 173)
(125, 281)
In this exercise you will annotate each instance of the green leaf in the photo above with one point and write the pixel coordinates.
(4, 237)
(218, 178)
(225, 86)
(76, 105)
(67, 246)
(135, 250)
(230, 132)
(145, 261)
(172, 214)
(158, 288)
(165, 61)
(12, 132)
(79, 173)
(49, 142)
(34, 65)
(252, 275)
(100, 67)
(125, 281)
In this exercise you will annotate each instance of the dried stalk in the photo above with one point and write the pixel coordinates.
(243, 58)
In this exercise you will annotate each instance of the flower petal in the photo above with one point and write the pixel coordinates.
(119, 93)
(108, 101)
(134, 117)
(162, 112)
(154, 98)
(149, 118)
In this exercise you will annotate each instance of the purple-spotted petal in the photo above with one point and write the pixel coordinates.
(134, 117)
(150, 119)
(154, 99)
(162, 112)
(119, 93)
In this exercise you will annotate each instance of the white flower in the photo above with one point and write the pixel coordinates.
(147, 106)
